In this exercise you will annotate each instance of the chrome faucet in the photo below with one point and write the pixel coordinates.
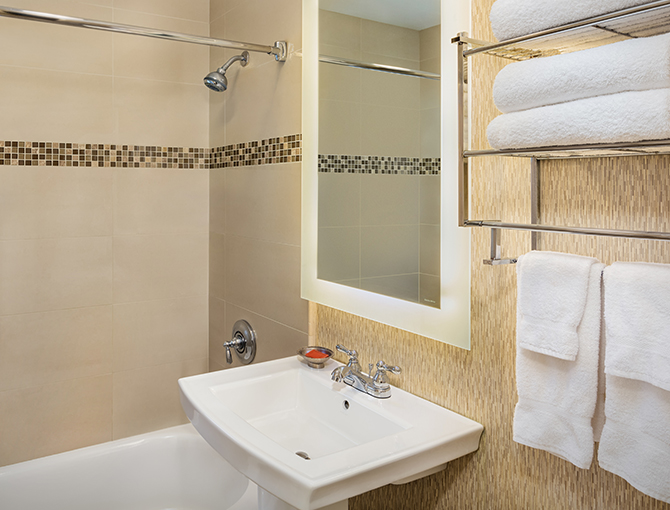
(378, 385)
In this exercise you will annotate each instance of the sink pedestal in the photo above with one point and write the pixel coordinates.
(267, 501)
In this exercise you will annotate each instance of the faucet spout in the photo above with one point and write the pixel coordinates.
(336, 375)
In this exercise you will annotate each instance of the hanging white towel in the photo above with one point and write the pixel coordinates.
(635, 442)
(637, 314)
(552, 289)
(557, 397)
(623, 117)
(635, 64)
(514, 18)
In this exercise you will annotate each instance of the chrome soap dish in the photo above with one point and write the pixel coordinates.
(315, 357)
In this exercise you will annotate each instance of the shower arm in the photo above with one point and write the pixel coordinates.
(232, 60)
(279, 49)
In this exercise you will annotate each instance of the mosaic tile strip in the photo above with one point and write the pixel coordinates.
(283, 149)
(348, 164)
(101, 155)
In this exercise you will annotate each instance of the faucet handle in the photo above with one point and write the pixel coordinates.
(382, 368)
(344, 350)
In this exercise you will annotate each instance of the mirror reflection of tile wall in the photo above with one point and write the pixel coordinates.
(379, 160)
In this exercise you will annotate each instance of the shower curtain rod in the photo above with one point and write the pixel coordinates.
(378, 67)
(279, 49)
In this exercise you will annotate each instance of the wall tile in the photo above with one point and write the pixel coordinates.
(157, 59)
(340, 128)
(263, 202)
(338, 253)
(79, 51)
(217, 331)
(196, 10)
(431, 140)
(339, 83)
(152, 112)
(52, 274)
(159, 332)
(147, 399)
(160, 267)
(159, 200)
(429, 260)
(47, 347)
(430, 198)
(217, 265)
(339, 199)
(389, 250)
(217, 200)
(70, 107)
(394, 90)
(39, 202)
(390, 131)
(263, 99)
(391, 40)
(56, 417)
(340, 30)
(389, 199)
(270, 282)
(272, 21)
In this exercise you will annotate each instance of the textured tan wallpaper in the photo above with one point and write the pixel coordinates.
(480, 384)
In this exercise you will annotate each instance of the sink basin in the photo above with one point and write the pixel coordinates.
(312, 442)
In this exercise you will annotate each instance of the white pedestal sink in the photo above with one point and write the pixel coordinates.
(310, 442)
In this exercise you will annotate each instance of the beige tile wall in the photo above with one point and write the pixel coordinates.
(88, 86)
(103, 301)
(255, 210)
(363, 112)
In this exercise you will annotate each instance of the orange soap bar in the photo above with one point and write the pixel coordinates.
(316, 354)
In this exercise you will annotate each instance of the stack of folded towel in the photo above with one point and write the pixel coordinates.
(558, 338)
(635, 442)
(614, 93)
(515, 18)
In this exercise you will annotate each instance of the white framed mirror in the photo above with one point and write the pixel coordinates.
(372, 140)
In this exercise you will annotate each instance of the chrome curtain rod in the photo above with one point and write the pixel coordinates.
(279, 49)
(378, 67)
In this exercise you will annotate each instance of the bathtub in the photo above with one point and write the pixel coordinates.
(170, 469)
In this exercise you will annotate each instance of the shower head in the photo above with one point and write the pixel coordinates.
(216, 80)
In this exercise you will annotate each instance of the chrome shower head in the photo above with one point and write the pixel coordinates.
(216, 80)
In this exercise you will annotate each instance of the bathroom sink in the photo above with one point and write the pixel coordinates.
(312, 442)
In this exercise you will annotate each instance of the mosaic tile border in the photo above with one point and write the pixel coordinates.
(101, 155)
(349, 164)
(283, 149)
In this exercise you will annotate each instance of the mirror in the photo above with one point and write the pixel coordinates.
(380, 164)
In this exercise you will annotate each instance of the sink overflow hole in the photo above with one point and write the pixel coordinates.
(303, 455)
(345, 404)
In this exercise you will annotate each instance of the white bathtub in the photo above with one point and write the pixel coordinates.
(171, 469)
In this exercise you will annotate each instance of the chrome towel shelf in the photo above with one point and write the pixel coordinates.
(641, 21)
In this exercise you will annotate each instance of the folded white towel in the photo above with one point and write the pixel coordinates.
(552, 289)
(636, 64)
(514, 18)
(637, 315)
(557, 397)
(635, 443)
(623, 117)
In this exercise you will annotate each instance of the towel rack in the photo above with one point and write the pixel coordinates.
(644, 20)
